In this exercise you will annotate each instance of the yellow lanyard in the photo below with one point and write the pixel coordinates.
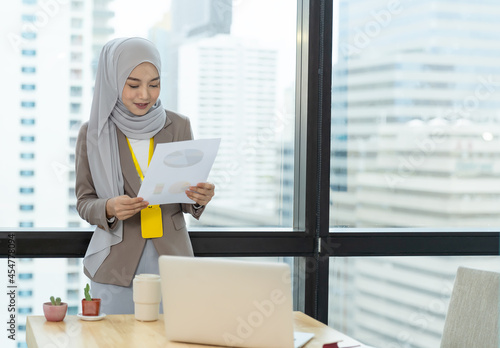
(151, 217)
(136, 163)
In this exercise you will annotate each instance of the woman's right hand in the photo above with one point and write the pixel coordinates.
(124, 206)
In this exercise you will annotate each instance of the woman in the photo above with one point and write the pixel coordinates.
(112, 153)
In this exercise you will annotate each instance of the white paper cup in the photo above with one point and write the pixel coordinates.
(147, 297)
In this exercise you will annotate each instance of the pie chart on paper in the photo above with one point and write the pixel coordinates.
(183, 158)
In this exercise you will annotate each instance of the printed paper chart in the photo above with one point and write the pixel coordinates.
(183, 158)
(174, 167)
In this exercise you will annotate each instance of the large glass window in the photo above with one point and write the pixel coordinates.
(40, 279)
(227, 66)
(37, 280)
(415, 120)
(395, 302)
(414, 144)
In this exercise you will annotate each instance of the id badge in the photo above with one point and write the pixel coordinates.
(151, 222)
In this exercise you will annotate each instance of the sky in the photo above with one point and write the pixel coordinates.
(134, 18)
(270, 22)
(251, 18)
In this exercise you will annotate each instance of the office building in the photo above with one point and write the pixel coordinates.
(181, 25)
(48, 50)
(227, 86)
(207, 75)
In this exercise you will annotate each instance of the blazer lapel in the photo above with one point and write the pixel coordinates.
(128, 168)
(164, 136)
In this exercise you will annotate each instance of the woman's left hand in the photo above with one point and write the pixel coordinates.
(202, 193)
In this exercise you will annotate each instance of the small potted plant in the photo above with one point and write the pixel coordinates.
(55, 310)
(90, 306)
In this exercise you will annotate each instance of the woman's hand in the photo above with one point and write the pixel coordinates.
(202, 193)
(124, 207)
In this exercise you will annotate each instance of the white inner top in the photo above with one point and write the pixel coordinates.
(141, 152)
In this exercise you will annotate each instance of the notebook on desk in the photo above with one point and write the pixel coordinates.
(228, 303)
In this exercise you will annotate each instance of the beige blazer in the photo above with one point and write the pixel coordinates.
(120, 265)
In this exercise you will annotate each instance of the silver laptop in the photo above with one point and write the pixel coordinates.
(228, 303)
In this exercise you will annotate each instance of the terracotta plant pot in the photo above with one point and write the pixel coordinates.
(91, 308)
(55, 313)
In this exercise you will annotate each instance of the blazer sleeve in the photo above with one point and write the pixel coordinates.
(90, 207)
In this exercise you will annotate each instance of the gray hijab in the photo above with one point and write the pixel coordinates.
(117, 60)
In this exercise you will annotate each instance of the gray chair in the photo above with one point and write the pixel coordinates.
(472, 317)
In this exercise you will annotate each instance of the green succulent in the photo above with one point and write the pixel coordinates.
(87, 292)
(55, 302)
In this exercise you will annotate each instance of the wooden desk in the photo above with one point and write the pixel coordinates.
(124, 331)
